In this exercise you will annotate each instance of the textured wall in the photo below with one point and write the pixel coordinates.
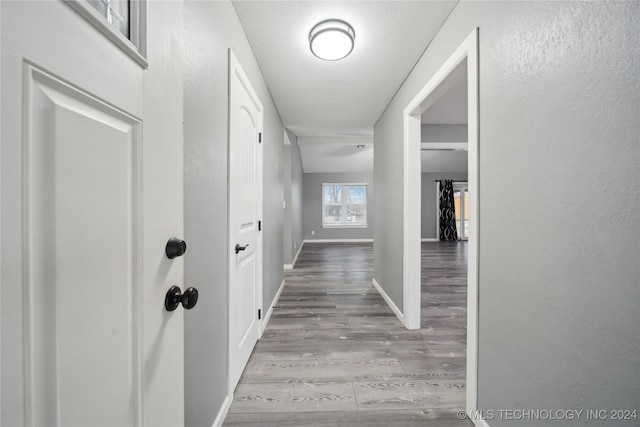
(287, 242)
(429, 197)
(559, 201)
(293, 195)
(444, 132)
(211, 28)
(312, 206)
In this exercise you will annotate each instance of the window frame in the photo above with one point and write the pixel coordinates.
(344, 224)
(136, 45)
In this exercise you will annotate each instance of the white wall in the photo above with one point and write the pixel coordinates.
(559, 256)
(211, 28)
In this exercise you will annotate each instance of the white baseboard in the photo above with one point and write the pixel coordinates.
(263, 326)
(391, 304)
(222, 413)
(338, 241)
(431, 239)
(295, 258)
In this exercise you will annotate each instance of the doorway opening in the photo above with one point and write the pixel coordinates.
(442, 81)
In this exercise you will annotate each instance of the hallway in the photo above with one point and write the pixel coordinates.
(335, 354)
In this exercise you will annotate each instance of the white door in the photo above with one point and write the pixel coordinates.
(245, 201)
(91, 192)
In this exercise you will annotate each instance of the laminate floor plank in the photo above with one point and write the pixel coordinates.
(294, 396)
(400, 418)
(414, 394)
(327, 369)
(335, 354)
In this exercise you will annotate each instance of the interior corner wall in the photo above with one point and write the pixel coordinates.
(293, 236)
(429, 201)
(287, 241)
(559, 226)
(312, 207)
(211, 28)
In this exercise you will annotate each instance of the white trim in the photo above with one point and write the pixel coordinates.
(224, 410)
(444, 146)
(136, 47)
(430, 239)
(338, 241)
(236, 69)
(438, 210)
(295, 258)
(266, 318)
(435, 87)
(391, 304)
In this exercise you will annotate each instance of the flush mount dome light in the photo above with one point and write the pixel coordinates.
(331, 40)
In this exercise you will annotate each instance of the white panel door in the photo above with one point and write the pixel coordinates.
(88, 204)
(245, 200)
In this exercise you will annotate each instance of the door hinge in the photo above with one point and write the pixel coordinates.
(259, 225)
(259, 137)
(259, 314)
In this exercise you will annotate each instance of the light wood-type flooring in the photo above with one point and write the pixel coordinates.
(334, 354)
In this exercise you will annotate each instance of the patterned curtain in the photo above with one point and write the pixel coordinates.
(448, 231)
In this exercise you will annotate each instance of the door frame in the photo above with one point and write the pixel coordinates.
(412, 205)
(236, 68)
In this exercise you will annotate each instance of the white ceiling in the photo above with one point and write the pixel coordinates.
(336, 155)
(333, 106)
(342, 98)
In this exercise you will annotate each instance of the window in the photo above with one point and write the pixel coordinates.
(344, 205)
(461, 205)
(115, 12)
(123, 22)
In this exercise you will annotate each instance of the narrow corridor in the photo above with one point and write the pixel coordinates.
(335, 354)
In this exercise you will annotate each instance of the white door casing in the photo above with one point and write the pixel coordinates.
(245, 211)
(468, 50)
(91, 191)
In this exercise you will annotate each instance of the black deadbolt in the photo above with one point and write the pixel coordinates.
(175, 248)
(175, 297)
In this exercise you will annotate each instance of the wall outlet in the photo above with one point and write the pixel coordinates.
(313, 232)
(295, 246)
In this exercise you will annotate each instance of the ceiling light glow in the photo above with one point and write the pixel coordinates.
(332, 39)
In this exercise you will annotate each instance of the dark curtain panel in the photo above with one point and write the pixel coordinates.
(447, 213)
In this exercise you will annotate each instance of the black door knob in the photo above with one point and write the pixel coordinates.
(241, 248)
(175, 248)
(175, 297)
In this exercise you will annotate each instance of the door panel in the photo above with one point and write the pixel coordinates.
(88, 205)
(245, 187)
(81, 165)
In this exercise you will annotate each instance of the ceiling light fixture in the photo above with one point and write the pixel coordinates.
(332, 39)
